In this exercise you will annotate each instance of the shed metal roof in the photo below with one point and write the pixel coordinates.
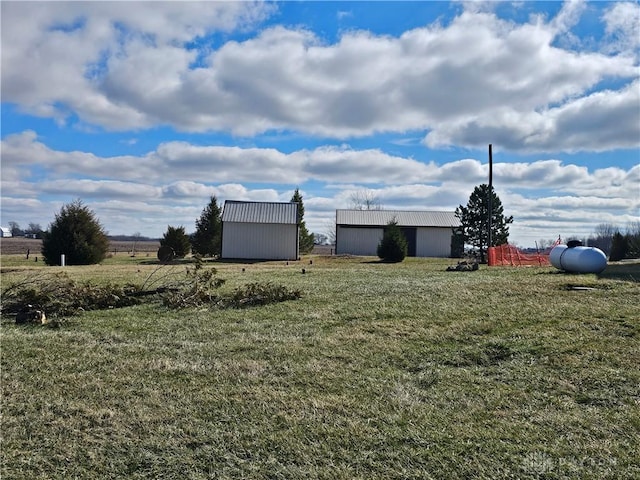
(380, 218)
(260, 212)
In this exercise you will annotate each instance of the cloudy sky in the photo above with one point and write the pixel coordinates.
(143, 110)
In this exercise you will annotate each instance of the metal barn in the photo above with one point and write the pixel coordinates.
(259, 230)
(428, 234)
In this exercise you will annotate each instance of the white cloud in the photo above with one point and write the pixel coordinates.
(184, 189)
(622, 24)
(329, 164)
(219, 163)
(100, 189)
(478, 77)
(568, 16)
(25, 210)
(604, 120)
(55, 54)
(363, 166)
(23, 150)
(141, 193)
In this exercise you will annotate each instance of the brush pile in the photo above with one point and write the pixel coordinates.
(464, 266)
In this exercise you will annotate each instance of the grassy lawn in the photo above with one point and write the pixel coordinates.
(379, 371)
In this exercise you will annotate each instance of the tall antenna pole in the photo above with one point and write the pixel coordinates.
(490, 199)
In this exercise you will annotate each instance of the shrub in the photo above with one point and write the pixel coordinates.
(393, 246)
(619, 247)
(77, 234)
(178, 240)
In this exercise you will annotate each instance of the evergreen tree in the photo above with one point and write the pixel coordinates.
(393, 246)
(474, 220)
(178, 240)
(457, 243)
(208, 235)
(620, 245)
(633, 233)
(77, 234)
(305, 239)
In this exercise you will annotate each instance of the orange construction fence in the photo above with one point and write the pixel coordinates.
(509, 255)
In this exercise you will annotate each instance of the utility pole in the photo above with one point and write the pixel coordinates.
(490, 199)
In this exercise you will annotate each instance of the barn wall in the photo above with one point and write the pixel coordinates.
(358, 241)
(433, 242)
(430, 241)
(265, 241)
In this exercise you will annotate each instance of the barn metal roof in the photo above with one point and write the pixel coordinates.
(380, 218)
(260, 212)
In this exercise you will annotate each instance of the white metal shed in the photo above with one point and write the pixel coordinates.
(428, 233)
(259, 230)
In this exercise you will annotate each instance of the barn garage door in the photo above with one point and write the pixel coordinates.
(410, 234)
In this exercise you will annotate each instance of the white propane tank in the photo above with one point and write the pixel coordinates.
(578, 259)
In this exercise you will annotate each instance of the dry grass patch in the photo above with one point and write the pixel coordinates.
(378, 371)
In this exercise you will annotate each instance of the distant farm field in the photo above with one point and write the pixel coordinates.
(379, 371)
(22, 245)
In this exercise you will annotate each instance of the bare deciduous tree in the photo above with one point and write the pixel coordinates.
(602, 237)
(365, 200)
(330, 231)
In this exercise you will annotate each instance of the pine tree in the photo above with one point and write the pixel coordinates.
(620, 245)
(77, 234)
(305, 239)
(393, 246)
(178, 240)
(474, 220)
(633, 233)
(207, 238)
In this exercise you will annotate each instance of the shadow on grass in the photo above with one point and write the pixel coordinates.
(628, 270)
(214, 261)
(177, 261)
(382, 262)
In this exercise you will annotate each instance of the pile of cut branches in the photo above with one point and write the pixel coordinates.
(59, 296)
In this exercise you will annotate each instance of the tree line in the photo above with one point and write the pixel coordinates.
(33, 230)
(614, 243)
(77, 233)
(611, 239)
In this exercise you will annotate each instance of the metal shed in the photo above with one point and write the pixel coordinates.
(428, 233)
(259, 230)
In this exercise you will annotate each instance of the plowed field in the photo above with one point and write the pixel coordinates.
(20, 245)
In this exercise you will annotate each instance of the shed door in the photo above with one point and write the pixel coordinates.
(410, 234)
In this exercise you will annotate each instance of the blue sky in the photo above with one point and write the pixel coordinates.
(143, 110)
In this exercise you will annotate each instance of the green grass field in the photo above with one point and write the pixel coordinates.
(379, 371)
